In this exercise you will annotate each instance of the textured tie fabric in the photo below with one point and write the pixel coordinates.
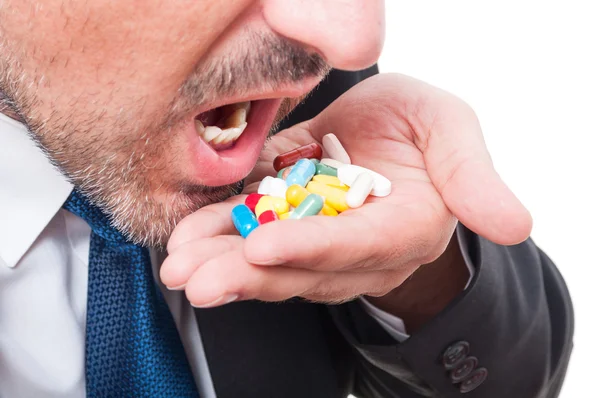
(132, 345)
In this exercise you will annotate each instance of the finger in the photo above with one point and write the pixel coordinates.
(209, 221)
(364, 239)
(447, 132)
(181, 263)
(231, 278)
(462, 171)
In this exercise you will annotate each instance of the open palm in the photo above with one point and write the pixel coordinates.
(427, 142)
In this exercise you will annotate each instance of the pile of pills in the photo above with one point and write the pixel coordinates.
(308, 185)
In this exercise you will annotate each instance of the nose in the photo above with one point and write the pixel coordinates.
(349, 34)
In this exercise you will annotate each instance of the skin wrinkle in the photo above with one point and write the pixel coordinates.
(119, 181)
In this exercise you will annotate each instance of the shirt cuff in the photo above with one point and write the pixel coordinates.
(394, 325)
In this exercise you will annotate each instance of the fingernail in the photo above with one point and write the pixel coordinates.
(224, 299)
(177, 287)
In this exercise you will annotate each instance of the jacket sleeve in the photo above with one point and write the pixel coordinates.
(508, 335)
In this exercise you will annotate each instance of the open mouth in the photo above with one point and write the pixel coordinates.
(221, 127)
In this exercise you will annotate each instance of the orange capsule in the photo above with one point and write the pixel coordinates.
(310, 151)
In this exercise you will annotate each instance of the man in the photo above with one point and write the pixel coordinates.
(155, 113)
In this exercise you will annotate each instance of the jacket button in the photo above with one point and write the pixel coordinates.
(475, 380)
(454, 354)
(463, 369)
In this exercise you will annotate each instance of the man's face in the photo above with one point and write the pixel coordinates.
(155, 108)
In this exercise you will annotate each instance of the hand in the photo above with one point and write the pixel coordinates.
(427, 142)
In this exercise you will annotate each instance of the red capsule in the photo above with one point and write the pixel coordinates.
(267, 216)
(310, 151)
(252, 200)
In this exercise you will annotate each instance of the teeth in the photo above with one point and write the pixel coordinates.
(234, 126)
(236, 119)
(199, 127)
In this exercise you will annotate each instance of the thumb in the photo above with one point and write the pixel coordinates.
(461, 169)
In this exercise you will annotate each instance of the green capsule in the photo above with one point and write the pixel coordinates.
(315, 161)
(326, 170)
(286, 171)
(311, 206)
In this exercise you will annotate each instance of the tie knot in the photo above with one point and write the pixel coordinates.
(96, 218)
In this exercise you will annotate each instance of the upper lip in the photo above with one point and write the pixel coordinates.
(289, 90)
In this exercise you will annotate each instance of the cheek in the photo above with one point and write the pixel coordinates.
(110, 54)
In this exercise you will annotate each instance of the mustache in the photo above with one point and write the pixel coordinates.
(263, 61)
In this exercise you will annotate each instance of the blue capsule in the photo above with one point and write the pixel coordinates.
(301, 173)
(244, 220)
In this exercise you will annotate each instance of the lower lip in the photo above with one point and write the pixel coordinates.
(217, 168)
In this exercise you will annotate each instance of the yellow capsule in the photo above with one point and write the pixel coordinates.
(334, 197)
(296, 195)
(331, 181)
(285, 216)
(328, 211)
(278, 205)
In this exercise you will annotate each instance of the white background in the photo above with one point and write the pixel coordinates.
(531, 71)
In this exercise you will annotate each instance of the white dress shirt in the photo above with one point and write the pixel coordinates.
(43, 281)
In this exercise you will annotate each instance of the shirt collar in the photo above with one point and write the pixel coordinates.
(31, 191)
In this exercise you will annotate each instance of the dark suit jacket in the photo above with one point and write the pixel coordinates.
(515, 321)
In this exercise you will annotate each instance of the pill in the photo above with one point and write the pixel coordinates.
(267, 217)
(323, 169)
(349, 173)
(244, 220)
(332, 163)
(328, 211)
(283, 173)
(334, 197)
(252, 200)
(301, 173)
(278, 187)
(331, 181)
(265, 186)
(278, 205)
(360, 190)
(285, 216)
(334, 148)
(310, 206)
(296, 194)
(289, 158)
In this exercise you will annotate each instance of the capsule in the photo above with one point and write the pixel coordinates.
(296, 194)
(289, 158)
(267, 217)
(360, 190)
(311, 206)
(285, 216)
(334, 197)
(252, 200)
(335, 149)
(266, 203)
(349, 173)
(301, 173)
(277, 188)
(264, 188)
(331, 181)
(323, 169)
(283, 173)
(244, 220)
(332, 163)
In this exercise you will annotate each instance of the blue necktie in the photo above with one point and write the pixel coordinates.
(132, 345)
